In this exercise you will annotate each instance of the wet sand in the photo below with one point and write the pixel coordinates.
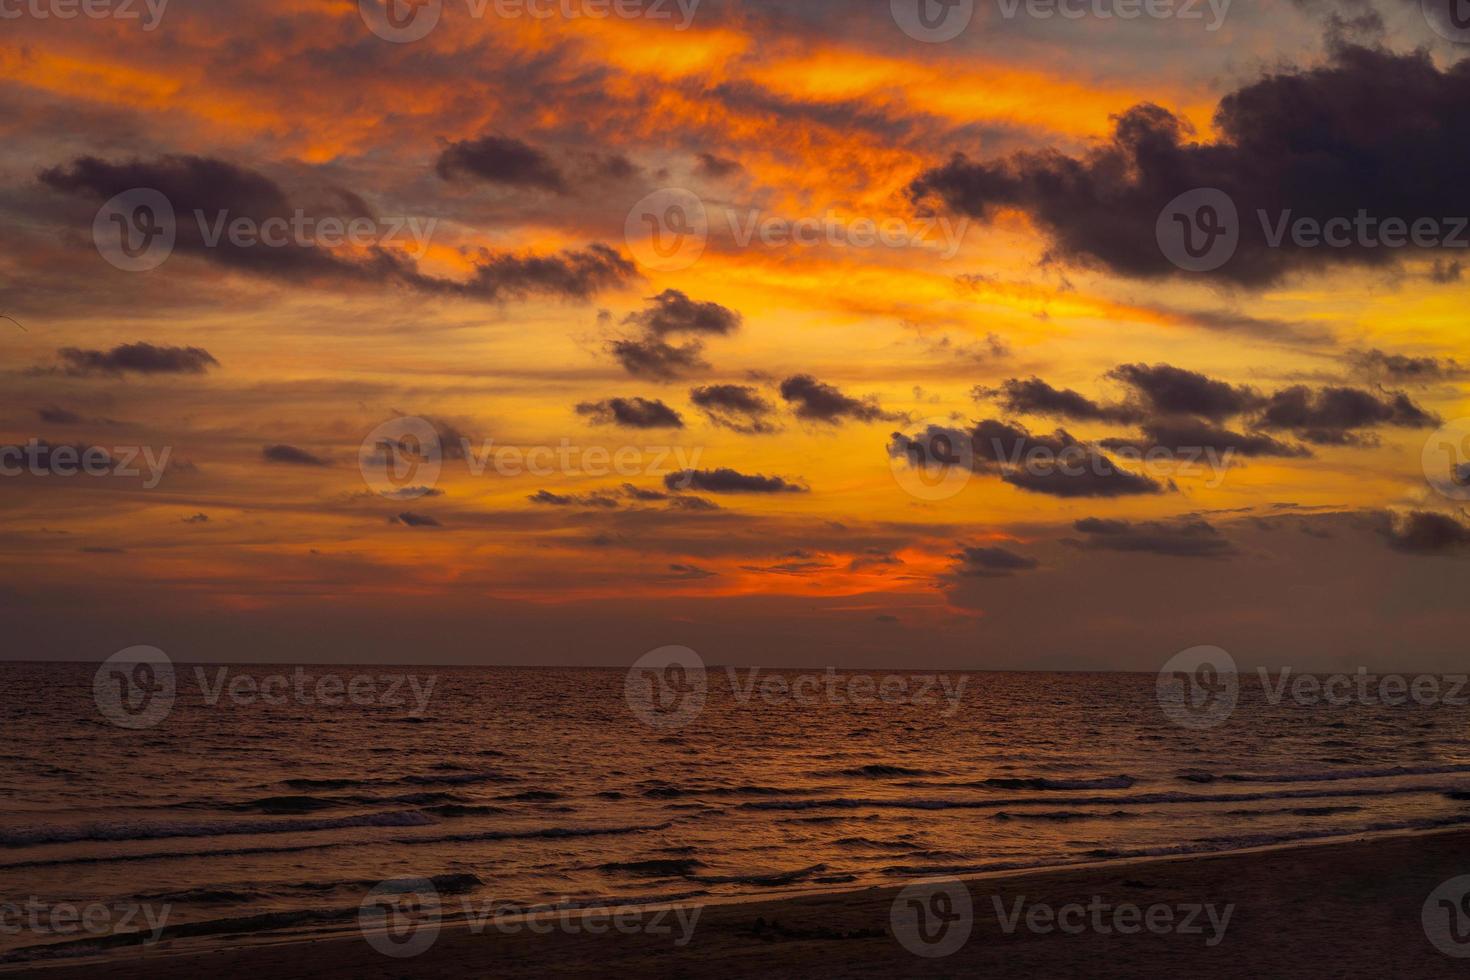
(1340, 909)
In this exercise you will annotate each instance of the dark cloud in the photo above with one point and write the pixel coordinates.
(737, 407)
(1033, 396)
(200, 518)
(1167, 390)
(716, 167)
(1178, 435)
(1190, 537)
(632, 413)
(140, 358)
(1329, 416)
(282, 453)
(658, 360)
(1427, 533)
(992, 562)
(500, 160)
(1378, 365)
(678, 571)
(1371, 131)
(726, 480)
(604, 499)
(219, 189)
(639, 493)
(1055, 464)
(409, 519)
(672, 312)
(817, 401)
(692, 504)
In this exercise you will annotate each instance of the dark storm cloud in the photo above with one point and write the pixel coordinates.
(992, 562)
(1329, 416)
(1427, 533)
(1167, 390)
(726, 480)
(672, 312)
(500, 160)
(281, 453)
(201, 189)
(409, 519)
(1190, 537)
(139, 358)
(658, 360)
(1186, 434)
(632, 413)
(1369, 131)
(737, 407)
(817, 401)
(1095, 475)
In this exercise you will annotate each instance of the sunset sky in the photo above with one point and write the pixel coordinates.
(1025, 163)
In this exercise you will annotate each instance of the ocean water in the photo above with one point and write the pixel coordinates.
(526, 787)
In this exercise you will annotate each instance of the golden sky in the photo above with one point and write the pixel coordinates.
(977, 255)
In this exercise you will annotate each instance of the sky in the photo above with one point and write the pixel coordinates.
(797, 334)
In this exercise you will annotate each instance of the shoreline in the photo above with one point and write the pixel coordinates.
(1358, 895)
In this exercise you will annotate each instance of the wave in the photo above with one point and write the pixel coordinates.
(1067, 815)
(657, 868)
(32, 836)
(538, 833)
(1044, 783)
(1324, 777)
(767, 880)
(877, 771)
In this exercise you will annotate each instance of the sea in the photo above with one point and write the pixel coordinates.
(271, 800)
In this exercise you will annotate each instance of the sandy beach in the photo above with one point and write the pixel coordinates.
(1339, 909)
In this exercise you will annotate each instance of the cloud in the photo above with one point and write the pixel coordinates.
(282, 453)
(1329, 415)
(672, 312)
(1427, 533)
(681, 572)
(1187, 434)
(200, 518)
(500, 160)
(1167, 390)
(409, 519)
(633, 413)
(725, 480)
(139, 358)
(992, 562)
(737, 407)
(218, 190)
(604, 499)
(1370, 132)
(658, 360)
(1376, 364)
(819, 402)
(1055, 464)
(716, 167)
(1035, 397)
(1190, 537)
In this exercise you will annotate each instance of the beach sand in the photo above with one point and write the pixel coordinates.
(1338, 909)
